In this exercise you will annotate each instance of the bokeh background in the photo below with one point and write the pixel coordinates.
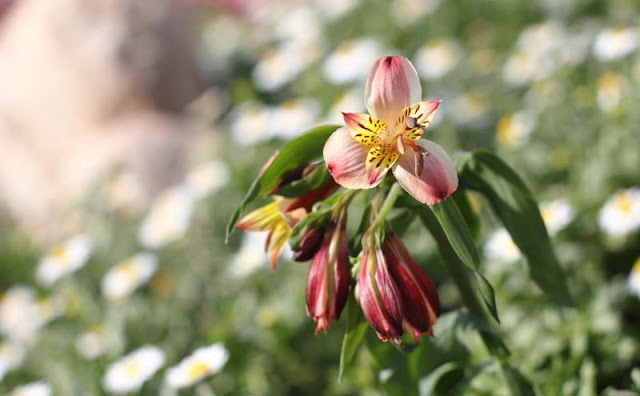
(132, 127)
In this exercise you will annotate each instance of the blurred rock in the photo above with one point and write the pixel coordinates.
(88, 87)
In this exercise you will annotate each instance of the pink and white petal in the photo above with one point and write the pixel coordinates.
(423, 113)
(438, 179)
(392, 84)
(345, 159)
(379, 160)
(364, 128)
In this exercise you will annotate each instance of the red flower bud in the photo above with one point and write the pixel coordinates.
(420, 303)
(394, 292)
(379, 296)
(328, 280)
(309, 245)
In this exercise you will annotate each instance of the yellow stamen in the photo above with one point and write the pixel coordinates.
(196, 371)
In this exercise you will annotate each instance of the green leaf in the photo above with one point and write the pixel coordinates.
(456, 247)
(469, 216)
(356, 328)
(427, 386)
(297, 152)
(315, 179)
(516, 207)
(456, 230)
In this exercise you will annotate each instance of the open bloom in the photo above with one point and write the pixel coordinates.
(328, 281)
(389, 138)
(394, 292)
(128, 374)
(202, 363)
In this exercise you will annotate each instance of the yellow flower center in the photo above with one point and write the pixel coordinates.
(196, 371)
(623, 203)
(132, 368)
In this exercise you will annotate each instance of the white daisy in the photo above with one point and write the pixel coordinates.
(351, 60)
(282, 64)
(633, 282)
(471, 108)
(615, 43)
(301, 25)
(335, 9)
(557, 214)
(125, 191)
(293, 117)
(500, 247)
(92, 344)
(125, 277)
(19, 317)
(130, 372)
(50, 308)
(437, 58)
(349, 102)
(520, 69)
(407, 12)
(64, 259)
(168, 218)
(39, 388)
(11, 356)
(610, 87)
(251, 123)
(202, 363)
(620, 215)
(250, 257)
(513, 130)
(207, 178)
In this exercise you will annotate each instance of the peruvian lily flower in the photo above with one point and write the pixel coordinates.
(394, 293)
(389, 137)
(328, 280)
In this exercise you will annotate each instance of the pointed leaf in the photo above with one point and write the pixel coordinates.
(514, 204)
(316, 178)
(297, 152)
(427, 386)
(356, 328)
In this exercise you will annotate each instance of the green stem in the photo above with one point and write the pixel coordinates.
(388, 204)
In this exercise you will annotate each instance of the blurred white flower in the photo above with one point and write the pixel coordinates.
(437, 58)
(301, 25)
(620, 215)
(279, 66)
(50, 308)
(251, 255)
(92, 344)
(633, 282)
(39, 388)
(610, 91)
(130, 372)
(615, 43)
(351, 60)
(168, 218)
(64, 259)
(251, 123)
(543, 40)
(125, 191)
(11, 356)
(19, 316)
(207, 178)
(348, 102)
(500, 247)
(201, 363)
(335, 9)
(471, 108)
(557, 214)
(520, 69)
(293, 117)
(126, 276)
(407, 12)
(513, 130)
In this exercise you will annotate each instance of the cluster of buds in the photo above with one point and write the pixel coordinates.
(393, 291)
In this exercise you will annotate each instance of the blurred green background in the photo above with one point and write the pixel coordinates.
(106, 105)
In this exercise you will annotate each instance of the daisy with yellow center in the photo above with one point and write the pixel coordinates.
(203, 362)
(132, 371)
(125, 277)
(64, 259)
(620, 215)
(557, 214)
(39, 388)
(389, 137)
(168, 218)
(500, 247)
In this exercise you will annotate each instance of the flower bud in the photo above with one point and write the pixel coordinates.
(420, 303)
(378, 295)
(328, 280)
(309, 245)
